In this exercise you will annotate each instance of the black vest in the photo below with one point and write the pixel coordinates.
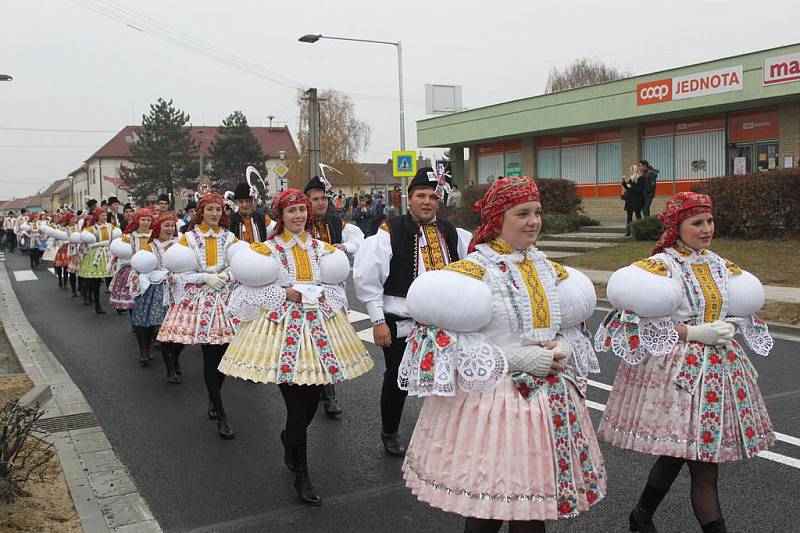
(334, 224)
(236, 226)
(403, 232)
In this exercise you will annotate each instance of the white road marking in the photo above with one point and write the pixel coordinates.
(366, 335)
(25, 275)
(355, 316)
(780, 458)
(594, 405)
(52, 271)
(788, 439)
(599, 385)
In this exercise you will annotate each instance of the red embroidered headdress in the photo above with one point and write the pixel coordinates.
(504, 194)
(680, 207)
(156, 226)
(133, 225)
(211, 198)
(288, 198)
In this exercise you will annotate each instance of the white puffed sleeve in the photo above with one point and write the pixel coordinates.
(370, 271)
(334, 268)
(253, 268)
(577, 300)
(257, 273)
(120, 249)
(745, 298)
(143, 261)
(450, 301)
(645, 301)
(352, 238)
(464, 238)
(179, 259)
(87, 237)
(116, 233)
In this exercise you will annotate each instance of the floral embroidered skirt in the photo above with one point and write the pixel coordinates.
(62, 257)
(494, 455)
(74, 264)
(258, 351)
(199, 318)
(95, 263)
(120, 294)
(667, 406)
(148, 308)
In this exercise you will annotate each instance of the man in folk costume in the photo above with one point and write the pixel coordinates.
(245, 223)
(385, 266)
(328, 227)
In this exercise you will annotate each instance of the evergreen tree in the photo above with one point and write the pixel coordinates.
(162, 154)
(234, 149)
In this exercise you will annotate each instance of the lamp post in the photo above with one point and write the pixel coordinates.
(313, 38)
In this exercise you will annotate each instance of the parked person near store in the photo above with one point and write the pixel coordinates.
(685, 389)
(648, 176)
(633, 198)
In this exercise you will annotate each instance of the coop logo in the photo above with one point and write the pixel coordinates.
(654, 92)
(690, 86)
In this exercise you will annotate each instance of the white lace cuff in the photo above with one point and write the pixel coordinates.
(632, 338)
(436, 361)
(584, 357)
(245, 302)
(335, 296)
(755, 333)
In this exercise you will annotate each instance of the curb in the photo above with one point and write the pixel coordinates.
(777, 328)
(37, 397)
(103, 493)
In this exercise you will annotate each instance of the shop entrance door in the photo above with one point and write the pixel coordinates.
(753, 157)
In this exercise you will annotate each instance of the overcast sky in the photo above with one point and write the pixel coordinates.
(75, 69)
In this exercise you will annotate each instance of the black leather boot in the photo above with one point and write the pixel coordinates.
(212, 409)
(332, 409)
(141, 333)
(392, 445)
(287, 453)
(224, 429)
(166, 353)
(302, 481)
(641, 520)
(151, 334)
(176, 358)
(715, 527)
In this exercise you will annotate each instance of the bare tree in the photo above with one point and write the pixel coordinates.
(581, 72)
(342, 137)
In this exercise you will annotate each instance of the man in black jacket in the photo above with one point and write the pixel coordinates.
(385, 266)
(245, 224)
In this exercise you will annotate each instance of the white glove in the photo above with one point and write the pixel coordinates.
(533, 359)
(717, 332)
(214, 281)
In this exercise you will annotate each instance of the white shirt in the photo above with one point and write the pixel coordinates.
(371, 269)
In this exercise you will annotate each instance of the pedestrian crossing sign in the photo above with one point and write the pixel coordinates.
(404, 163)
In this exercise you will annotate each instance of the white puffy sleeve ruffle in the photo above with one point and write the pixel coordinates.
(745, 298)
(645, 298)
(577, 300)
(256, 271)
(352, 238)
(445, 349)
(121, 249)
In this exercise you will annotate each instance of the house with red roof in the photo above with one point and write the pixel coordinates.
(101, 175)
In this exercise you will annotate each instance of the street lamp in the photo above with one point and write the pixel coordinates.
(5, 77)
(313, 38)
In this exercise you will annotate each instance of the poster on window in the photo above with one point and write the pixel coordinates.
(739, 166)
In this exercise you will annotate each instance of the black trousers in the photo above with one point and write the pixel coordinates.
(631, 213)
(648, 200)
(392, 398)
(301, 406)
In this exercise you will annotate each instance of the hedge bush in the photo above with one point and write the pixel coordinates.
(558, 197)
(647, 229)
(755, 205)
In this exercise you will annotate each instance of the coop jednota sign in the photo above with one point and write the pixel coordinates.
(690, 86)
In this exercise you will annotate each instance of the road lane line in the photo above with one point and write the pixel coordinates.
(599, 385)
(780, 458)
(788, 439)
(25, 275)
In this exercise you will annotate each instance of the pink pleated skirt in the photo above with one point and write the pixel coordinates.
(203, 319)
(647, 412)
(120, 294)
(493, 455)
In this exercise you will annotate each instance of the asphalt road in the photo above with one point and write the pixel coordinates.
(194, 481)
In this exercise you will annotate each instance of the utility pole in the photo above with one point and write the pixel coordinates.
(270, 117)
(313, 133)
(202, 143)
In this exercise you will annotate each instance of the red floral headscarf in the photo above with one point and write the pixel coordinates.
(288, 198)
(504, 194)
(680, 207)
(67, 218)
(156, 226)
(210, 198)
(133, 225)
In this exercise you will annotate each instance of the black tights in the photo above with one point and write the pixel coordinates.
(631, 213)
(72, 280)
(480, 525)
(301, 406)
(704, 495)
(212, 355)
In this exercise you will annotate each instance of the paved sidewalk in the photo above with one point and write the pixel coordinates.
(103, 492)
(772, 292)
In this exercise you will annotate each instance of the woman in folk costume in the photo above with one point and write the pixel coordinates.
(96, 261)
(295, 330)
(685, 390)
(48, 240)
(199, 292)
(30, 237)
(500, 355)
(75, 251)
(135, 237)
(147, 284)
(66, 225)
